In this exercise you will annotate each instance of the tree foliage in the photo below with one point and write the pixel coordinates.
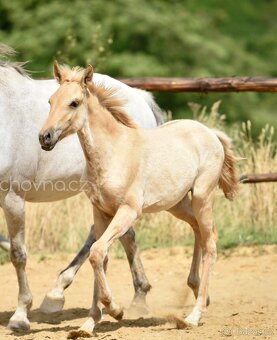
(184, 38)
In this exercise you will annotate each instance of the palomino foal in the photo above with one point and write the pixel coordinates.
(131, 171)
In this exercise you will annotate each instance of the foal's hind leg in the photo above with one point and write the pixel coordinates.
(183, 211)
(14, 210)
(202, 203)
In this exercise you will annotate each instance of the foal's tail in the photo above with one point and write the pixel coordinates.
(228, 180)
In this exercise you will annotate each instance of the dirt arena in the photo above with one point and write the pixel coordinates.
(243, 297)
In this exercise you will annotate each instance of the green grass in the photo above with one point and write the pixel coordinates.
(246, 236)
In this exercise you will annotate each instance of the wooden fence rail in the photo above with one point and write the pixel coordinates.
(205, 85)
(258, 178)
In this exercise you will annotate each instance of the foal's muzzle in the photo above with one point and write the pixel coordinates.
(48, 139)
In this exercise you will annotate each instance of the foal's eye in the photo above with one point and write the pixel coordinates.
(74, 103)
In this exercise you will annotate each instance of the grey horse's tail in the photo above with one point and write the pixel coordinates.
(157, 111)
(4, 243)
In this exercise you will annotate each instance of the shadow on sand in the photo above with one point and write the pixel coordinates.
(77, 313)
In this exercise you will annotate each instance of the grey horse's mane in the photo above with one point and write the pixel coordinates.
(6, 51)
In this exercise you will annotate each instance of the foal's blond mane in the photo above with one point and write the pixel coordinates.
(108, 97)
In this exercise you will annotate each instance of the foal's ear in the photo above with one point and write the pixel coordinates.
(87, 77)
(57, 72)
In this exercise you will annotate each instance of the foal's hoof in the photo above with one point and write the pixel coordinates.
(117, 313)
(52, 304)
(191, 320)
(119, 316)
(19, 325)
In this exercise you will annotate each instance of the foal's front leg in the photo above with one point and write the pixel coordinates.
(124, 217)
(54, 299)
(95, 314)
(121, 222)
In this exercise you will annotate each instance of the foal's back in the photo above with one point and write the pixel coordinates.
(177, 153)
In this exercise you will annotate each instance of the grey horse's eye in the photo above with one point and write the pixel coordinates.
(74, 103)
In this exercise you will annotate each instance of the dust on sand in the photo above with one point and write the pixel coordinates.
(243, 294)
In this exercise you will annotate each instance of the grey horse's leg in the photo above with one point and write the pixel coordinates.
(140, 281)
(4, 243)
(54, 299)
(14, 209)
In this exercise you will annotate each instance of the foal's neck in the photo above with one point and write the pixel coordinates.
(99, 133)
(101, 120)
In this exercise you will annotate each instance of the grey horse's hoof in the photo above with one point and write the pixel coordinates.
(52, 304)
(19, 325)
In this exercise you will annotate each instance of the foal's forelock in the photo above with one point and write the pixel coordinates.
(71, 75)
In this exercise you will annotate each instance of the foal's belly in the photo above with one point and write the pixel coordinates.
(165, 200)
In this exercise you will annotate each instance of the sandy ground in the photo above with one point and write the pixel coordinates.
(243, 297)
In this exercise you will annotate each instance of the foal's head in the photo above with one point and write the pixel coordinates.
(68, 105)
